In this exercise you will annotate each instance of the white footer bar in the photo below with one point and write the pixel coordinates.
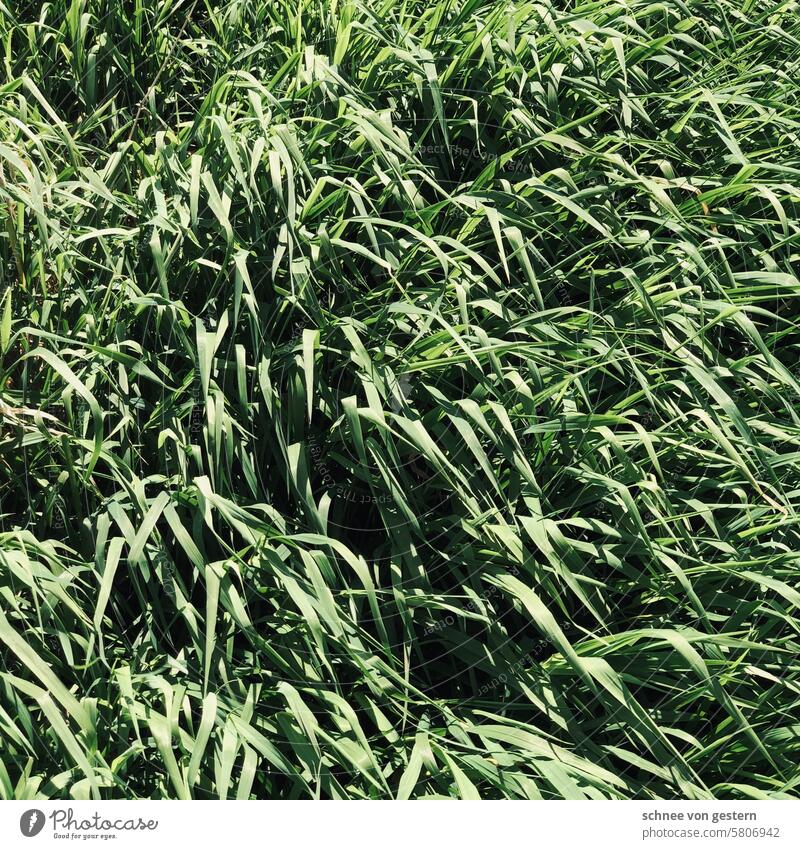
(434, 824)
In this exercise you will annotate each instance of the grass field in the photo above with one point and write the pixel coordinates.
(399, 399)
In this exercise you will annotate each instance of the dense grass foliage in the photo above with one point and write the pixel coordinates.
(399, 399)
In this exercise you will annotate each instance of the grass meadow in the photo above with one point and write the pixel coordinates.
(399, 399)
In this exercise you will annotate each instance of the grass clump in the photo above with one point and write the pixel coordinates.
(399, 399)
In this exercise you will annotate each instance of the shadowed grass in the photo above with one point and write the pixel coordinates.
(399, 400)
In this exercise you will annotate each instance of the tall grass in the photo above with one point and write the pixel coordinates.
(399, 399)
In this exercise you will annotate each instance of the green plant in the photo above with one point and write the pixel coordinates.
(399, 399)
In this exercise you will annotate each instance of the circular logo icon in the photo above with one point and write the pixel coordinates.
(31, 822)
